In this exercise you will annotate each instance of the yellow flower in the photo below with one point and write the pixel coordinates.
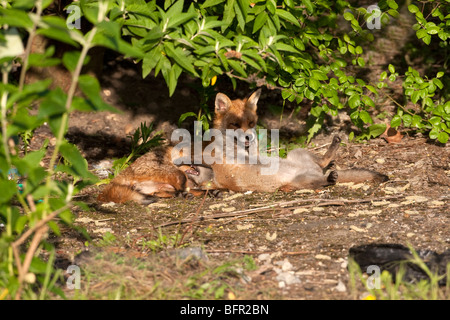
(213, 80)
(4, 294)
(370, 297)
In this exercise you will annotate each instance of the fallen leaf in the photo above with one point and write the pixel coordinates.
(271, 237)
(391, 135)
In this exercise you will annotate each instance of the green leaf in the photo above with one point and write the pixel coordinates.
(287, 16)
(392, 4)
(237, 66)
(176, 20)
(211, 3)
(9, 188)
(298, 43)
(438, 83)
(280, 46)
(348, 16)
(91, 88)
(15, 18)
(70, 60)
(309, 6)
(56, 28)
(433, 134)
(377, 129)
(421, 33)
(54, 104)
(365, 116)
(184, 116)
(391, 68)
(415, 96)
(108, 35)
(396, 121)
(427, 39)
(413, 9)
(180, 58)
(361, 62)
(442, 137)
(43, 59)
(150, 61)
(407, 120)
(368, 101)
(260, 21)
(314, 84)
(228, 14)
(435, 120)
(71, 153)
(319, 75)
(354, 101)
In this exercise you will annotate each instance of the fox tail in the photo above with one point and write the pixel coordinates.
(360, 175)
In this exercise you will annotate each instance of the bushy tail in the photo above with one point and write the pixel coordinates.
(360, 175)
(119, 194)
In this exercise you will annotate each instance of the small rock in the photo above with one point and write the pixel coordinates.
(380, 160)
(285, 265)
(340, 287)
(184, 253)
(308, 191)
(380, 203)
(234, 196)
(416, 198)
(355, 228)
(300, 210)
(103, 230)
(229, 209)
(322, 257)
(264, 257)
(217, 206)
(436, 203)
(244, 226)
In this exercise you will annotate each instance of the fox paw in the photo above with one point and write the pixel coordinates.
(336, 139)
(331, 166)
(216, 193)
(332, 177)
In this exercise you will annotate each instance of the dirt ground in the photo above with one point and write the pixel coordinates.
(298, 242)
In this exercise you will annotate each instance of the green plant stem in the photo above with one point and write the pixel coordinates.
(31, 36)
(4, 122)
(65, 116)
(9, 234)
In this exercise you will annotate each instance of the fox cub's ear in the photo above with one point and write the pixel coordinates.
(223, 103)
(253, 100)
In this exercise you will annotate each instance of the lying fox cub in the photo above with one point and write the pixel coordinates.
(300, 170)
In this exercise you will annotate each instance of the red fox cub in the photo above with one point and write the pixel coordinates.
(300, 170)
(155, 174)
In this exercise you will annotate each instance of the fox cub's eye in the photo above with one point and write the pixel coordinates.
(251, 124)
(235, 125)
